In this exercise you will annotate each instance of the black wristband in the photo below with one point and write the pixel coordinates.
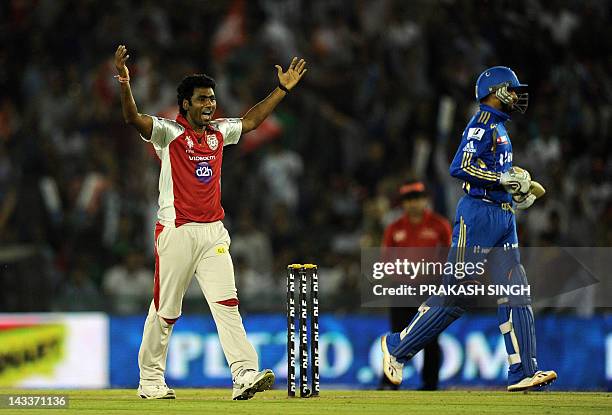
(282, 88)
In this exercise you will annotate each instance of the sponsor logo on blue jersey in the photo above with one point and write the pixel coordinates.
(475, 133)
(469, 147)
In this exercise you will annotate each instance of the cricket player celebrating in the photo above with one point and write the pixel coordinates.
(190, 237)
(484, 220)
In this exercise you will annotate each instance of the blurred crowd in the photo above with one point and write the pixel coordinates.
(389, 89)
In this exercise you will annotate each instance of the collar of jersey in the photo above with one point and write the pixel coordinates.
(183, 121)
(498, 113)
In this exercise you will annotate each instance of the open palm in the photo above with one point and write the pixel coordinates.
(297, 69)
(121, 56)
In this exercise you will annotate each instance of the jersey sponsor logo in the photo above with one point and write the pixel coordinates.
(505, 158)
(201, 158)
(508, 246)
(469, 147)
(212, 141)
(204, 172)
(480, 250)
(502, 139)
(475, 133)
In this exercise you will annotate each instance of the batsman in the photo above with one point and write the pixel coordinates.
(484, 229)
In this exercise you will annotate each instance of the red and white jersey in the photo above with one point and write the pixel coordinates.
(190, 176)
(434, 230)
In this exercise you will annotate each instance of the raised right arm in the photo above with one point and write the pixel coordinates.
(142, 122)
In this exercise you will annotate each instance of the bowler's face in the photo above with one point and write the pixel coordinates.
(202, 106)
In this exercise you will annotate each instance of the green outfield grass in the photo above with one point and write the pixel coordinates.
(217, 401)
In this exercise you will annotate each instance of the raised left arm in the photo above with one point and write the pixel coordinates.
(286, 82)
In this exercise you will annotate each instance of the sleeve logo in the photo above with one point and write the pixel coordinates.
(475, 133)
(502, 139)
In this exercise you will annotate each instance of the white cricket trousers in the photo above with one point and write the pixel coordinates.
(201, 249)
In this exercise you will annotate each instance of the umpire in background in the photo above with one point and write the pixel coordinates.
(418, 227)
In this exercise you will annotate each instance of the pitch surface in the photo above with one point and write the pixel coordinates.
(218, 401)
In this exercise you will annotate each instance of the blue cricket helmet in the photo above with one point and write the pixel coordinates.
(497, 77)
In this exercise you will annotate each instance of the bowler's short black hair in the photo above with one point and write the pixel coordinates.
(188, 84)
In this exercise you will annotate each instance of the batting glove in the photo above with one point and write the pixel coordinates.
(522, 202)
(516, 181)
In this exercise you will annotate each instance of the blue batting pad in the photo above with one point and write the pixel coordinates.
(517, 326)
(430, 321)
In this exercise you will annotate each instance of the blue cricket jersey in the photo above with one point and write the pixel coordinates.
(484, 153)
